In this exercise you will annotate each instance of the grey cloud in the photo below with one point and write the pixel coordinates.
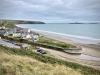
(51, 10)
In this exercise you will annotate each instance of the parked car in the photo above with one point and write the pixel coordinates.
(41, 51)
(44, 52)
(15, 44)
(18, 44)
(7, 40)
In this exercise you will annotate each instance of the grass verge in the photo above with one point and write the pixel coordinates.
(53, 42)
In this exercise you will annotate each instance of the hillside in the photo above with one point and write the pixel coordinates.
(24, 22)
(11, 23)
(25, 62)
(8, 25)
(12, 64)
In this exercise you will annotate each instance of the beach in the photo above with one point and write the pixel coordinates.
(90, 49)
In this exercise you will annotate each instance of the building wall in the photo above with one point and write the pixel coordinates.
(16, 34)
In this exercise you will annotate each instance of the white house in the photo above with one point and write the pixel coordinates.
(2, 27)
(28, 36)
(24, 36)
(16, 34)
(35, 37)
(25, 30)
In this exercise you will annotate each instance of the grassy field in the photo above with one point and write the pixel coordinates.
(12, 64)
(24, 62)
(53, 42)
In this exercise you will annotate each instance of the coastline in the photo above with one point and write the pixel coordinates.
(80, 39)
(90, 49)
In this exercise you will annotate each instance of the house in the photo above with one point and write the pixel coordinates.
(9, 31)
(14, 30)
(2, 31)
(25, 30)
(28, 36)
(35, 37)
(2, 27)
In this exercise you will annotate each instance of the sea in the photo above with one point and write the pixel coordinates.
(82, 33)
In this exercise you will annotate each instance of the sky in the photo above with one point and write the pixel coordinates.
(51, 11)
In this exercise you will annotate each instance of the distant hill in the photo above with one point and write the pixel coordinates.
(23, 22)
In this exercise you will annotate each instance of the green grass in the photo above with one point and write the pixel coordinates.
(53, 42)
(9, 25)
(83, 69)
(11, 64)
(32, 48)
(17, 37)
(10, 35)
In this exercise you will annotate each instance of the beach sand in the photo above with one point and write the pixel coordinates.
(91, 50)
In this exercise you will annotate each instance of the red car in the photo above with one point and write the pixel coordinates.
(18, 44)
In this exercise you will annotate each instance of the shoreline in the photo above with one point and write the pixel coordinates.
(77, 38)
(90, 49)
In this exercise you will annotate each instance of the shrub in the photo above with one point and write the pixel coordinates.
(10, 34)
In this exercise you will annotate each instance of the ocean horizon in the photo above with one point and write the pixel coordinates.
(83, 33)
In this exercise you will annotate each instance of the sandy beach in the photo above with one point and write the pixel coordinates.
(90, 49)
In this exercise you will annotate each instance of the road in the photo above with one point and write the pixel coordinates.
(81, 56)
(8, 44)
(82, 59)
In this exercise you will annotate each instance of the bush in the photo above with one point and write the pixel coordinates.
(10, 34)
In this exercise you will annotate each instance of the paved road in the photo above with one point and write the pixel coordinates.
(8, 44)
(82, 56)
